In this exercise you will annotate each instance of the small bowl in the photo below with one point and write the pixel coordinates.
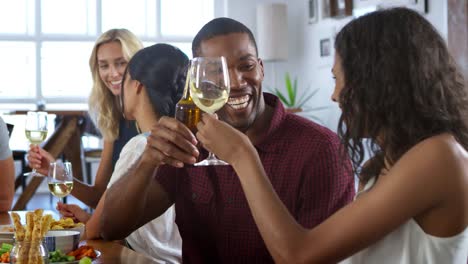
(63, 240)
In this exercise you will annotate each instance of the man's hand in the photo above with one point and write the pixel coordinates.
(170, 142)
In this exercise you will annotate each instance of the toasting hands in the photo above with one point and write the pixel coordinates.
(226, 142)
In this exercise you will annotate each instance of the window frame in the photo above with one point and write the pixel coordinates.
(73, 102)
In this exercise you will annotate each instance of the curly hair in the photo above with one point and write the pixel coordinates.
(401, 87)
(103, 105)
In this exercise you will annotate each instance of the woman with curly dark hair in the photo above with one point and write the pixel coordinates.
(397, 86)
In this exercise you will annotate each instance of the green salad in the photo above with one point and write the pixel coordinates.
(58, 256)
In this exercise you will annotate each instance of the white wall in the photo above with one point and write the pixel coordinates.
(304, 52)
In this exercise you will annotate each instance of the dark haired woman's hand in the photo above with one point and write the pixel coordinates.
(226, 142)
(170, 142)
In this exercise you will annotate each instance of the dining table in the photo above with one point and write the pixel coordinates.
(109, 251)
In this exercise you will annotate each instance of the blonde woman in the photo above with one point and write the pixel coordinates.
(109, 58)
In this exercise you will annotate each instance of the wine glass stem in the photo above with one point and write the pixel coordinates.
(33, 172)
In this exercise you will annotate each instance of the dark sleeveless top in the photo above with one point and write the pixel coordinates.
(127, 130)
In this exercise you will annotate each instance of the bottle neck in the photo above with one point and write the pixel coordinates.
(186, 98)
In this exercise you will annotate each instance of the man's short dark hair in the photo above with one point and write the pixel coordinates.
(218, 27)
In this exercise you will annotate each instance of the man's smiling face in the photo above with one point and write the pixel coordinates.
(246, 74)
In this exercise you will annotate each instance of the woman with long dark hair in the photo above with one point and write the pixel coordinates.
(152, 85)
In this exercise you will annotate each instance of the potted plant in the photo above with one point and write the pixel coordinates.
(295, 103)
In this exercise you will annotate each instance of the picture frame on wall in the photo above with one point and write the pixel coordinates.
(325, 47)
(341, 8)
(325, 9)
(421, 6)
(313, 11)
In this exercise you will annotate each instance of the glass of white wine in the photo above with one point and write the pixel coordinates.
(36, 131)
(60, 179)
(209, 88)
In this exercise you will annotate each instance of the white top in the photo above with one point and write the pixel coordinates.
(160, 238)
(409, 244)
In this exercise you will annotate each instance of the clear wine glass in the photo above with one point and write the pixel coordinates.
(209, 88)
(60, 179)
(36, 131)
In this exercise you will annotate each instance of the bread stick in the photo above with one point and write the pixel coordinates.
(46, 220)
(35, 238)
(32, 235)
(29, 225)
(19, 230)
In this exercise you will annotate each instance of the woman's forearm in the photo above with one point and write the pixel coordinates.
(7, 189)
(5, 204)
(92, 228)
(88, 194)
(127, 196)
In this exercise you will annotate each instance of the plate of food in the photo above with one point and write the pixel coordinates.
(6, 229)
(6, 234)
(67, 224)
(82, 253)
(5, 249)
(57, 256)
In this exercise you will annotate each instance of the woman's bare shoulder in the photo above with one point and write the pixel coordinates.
(441, 162)
(443, 148)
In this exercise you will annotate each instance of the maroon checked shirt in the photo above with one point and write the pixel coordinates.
(306, 168)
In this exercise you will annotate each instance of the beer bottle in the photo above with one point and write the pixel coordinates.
(186, 110)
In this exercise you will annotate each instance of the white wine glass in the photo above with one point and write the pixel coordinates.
(60, 179)
(209, 88)
(36, 131)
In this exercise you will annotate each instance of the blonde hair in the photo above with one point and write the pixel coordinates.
(103, 107)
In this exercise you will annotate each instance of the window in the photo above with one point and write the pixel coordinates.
(45, 44)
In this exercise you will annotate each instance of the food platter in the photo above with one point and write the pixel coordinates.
(98, 254)
(6, 229)
(6, 234)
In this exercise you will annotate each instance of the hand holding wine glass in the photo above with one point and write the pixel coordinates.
(60, 179)
(36, 131)
(209, 88)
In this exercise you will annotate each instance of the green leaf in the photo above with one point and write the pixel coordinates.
(315, 109)
(282, 98)
(305, 99)
(290, 90)
(295, 90)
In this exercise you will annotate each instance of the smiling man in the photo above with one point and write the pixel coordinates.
(302, 159)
